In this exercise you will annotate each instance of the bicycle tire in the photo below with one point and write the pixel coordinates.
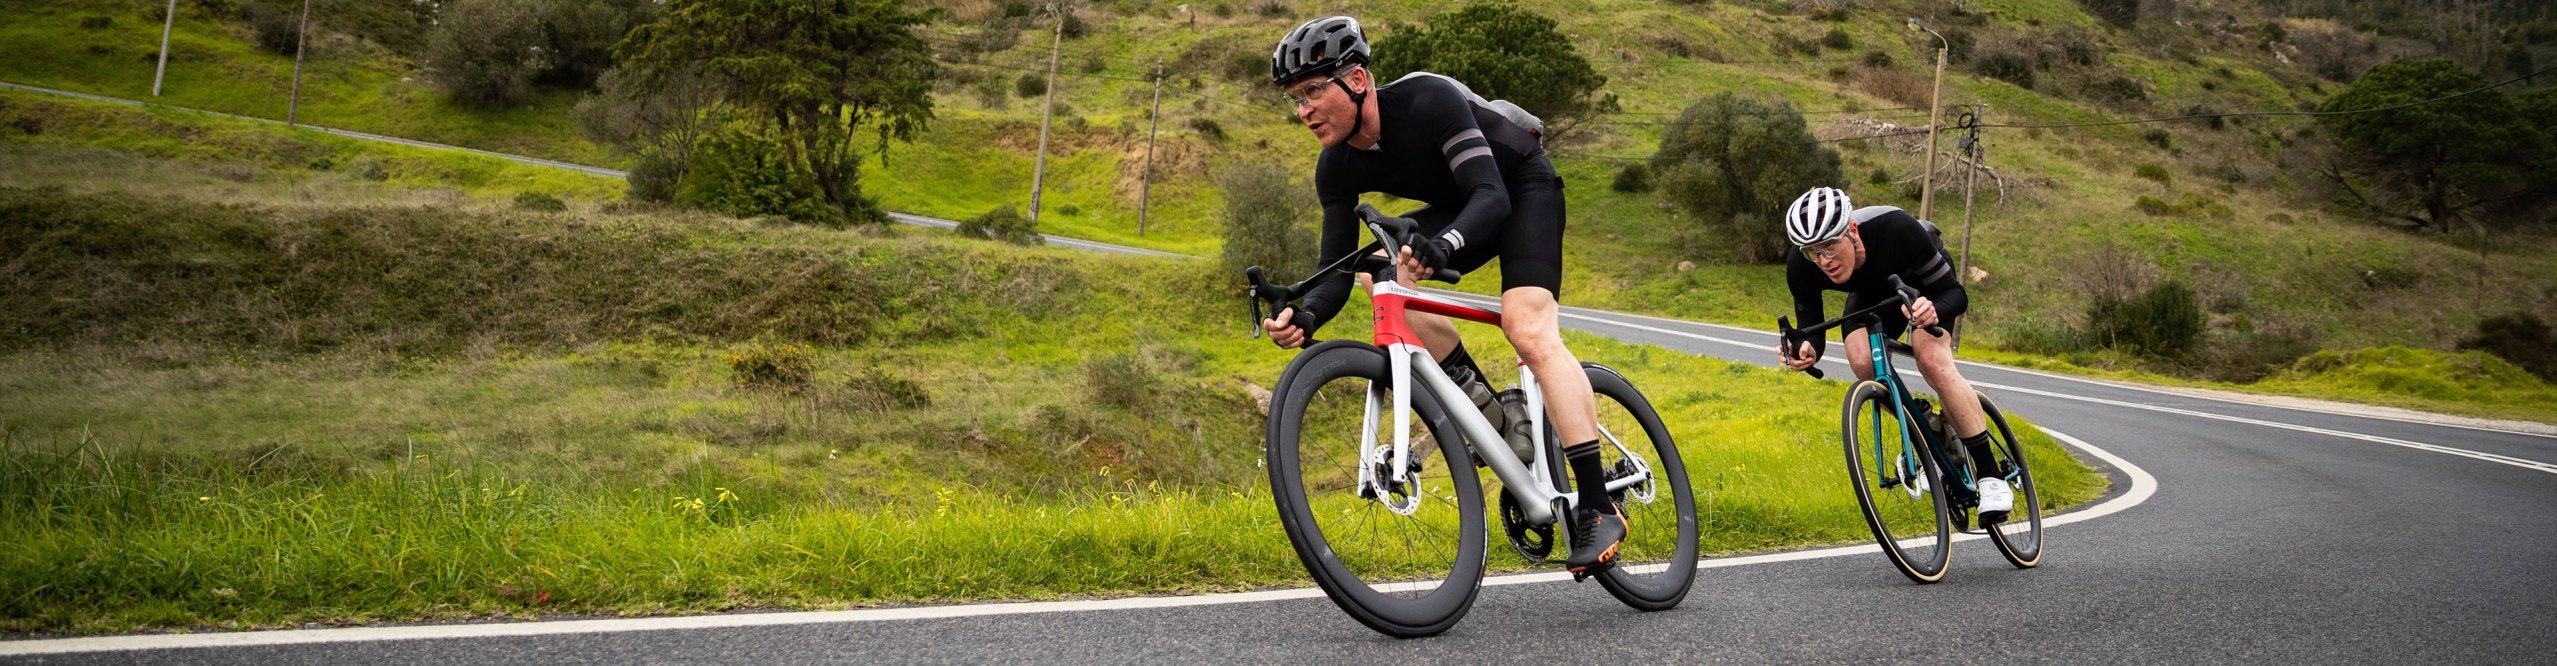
(2020, 543)
(1389, 592)
(1895, 513)
(1655, 568)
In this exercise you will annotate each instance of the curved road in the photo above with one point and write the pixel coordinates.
(2244, 532)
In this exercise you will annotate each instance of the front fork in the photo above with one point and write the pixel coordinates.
(1385, 474)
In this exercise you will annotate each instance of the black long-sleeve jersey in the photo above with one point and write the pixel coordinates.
(1437, 146)
(1895, 243)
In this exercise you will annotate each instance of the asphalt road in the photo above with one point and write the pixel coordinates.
(2238, 532)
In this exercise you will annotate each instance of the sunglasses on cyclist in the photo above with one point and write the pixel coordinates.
(1828, 250)
(1303, 94)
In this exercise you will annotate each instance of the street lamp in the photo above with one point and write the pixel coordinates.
(1935, 107)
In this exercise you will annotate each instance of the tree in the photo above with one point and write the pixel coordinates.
(1266, 225)
(2429, 166)
(582, 34)
(1733, 163)
(661, 127)
(1502, 52)
(486, 52)
(808, 72)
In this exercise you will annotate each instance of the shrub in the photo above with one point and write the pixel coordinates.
(2162, 322)
(581, 35)
(880, 390)
(1273, 10)
(1732, 164)
(2117, 90)
(1268, 223)
(1901, 86)
(1208, 127)
(1880, 176)
(486, 52)
(2156, 173)
(1877, 59)
(539, 202)
(275, 24)
(1121, 379)
(96, 22)
(1500, 51)
(2008, 67)
(1029, 85)
(741, 174)
(2519, 337)
(2160, 138)
(1838, 39)
(1003, 224)
(656, 179)
(1633, 178)
(768, 365)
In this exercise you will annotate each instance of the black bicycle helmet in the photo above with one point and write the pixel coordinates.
(1320, 45)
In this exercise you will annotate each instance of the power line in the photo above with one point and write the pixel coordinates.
(1806, 112)
(1626, 158)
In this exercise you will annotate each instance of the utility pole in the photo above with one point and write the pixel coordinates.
(170, 24)
(1935, 114)
(302, 40)
(1971, 149)
(1153, 121)
(1039, 169)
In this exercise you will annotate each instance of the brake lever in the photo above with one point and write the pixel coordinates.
(1909, 296)
(1792, 338)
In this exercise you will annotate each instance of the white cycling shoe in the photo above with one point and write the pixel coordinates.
(1995, 500)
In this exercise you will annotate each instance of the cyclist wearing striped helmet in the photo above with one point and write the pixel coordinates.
(1856, 250)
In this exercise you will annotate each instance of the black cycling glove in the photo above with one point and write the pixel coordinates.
(1433, 253)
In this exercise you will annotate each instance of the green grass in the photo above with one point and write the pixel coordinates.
(2465, 383)
(186, 463)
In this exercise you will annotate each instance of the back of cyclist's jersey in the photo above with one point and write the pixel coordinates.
(1511, 113)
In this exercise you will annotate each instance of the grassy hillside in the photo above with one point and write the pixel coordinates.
(242, 415)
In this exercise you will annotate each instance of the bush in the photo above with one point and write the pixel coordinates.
(767, 365)
(1880, 176)
(1208, 127)
(2008, 67)
(656, 179)
(1003, 224)
(1877, 59)
(880, 390)
(2518, 337)
(1273, 10)
(1632, 179)
(581, 35)
(1268, 223)
(1732, 164)
(2160, 138)
(1030, 85)
(1122, 379)
(1500, 51)
(275, 24)
(741, 174)
(2154, 172)
(2163, 322)
(539, 202)
(486, 52)
(1838, 39)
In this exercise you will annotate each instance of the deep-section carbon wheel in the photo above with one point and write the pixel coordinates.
(1405, 559)
(1657, 564)
(1899, 488)
(2019, 537)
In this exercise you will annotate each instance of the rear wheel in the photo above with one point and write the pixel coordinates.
(1657, 563)
(1404, 559)
(2019, 537)
(1899, 489)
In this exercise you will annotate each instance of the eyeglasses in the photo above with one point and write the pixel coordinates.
(1302, 95)
(1825, 251)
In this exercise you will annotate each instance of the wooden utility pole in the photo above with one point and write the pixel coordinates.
(1039, 169)
(165, 28)
(1935, 116)
(1970, 178)
(302, 40)
(1153, 121)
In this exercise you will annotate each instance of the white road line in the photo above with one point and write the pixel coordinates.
(2392, 441)
(2142, 487)
(2036, 373)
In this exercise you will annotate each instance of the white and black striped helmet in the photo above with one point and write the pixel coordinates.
(1318, 46)
(1818, 216)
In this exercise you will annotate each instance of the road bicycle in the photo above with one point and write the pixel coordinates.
(1898, 470)
(1391, 525)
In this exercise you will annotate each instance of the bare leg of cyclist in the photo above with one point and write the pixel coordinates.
(1532, 322)
(1961, 405)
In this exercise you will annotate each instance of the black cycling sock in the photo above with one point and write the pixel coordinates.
(1460, 367)
(1978, 445)
(1584, 468)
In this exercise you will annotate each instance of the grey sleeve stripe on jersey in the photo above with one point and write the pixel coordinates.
(1467, 154)
(1936, 269)
(1450, 146)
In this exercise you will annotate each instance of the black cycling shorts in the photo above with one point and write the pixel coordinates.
(1894, 324)
(1531, 246)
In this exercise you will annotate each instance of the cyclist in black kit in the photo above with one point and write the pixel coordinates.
(1855, 250)
(1491, 193)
